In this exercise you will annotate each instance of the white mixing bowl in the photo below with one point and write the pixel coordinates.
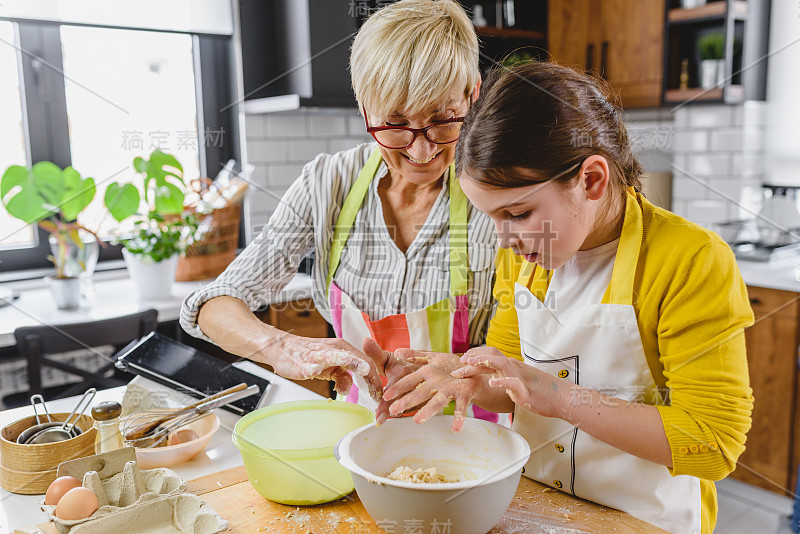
(486, 458)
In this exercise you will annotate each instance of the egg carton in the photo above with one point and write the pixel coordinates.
(152, 500)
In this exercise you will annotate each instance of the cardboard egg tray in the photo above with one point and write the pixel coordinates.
(151, 501)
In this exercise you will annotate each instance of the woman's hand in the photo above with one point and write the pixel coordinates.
(303, 358)
(230, 323)
(434, 386)
(529, 387)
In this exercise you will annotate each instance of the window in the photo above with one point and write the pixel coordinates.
(14, 233)
(141, 99)
(96, 97)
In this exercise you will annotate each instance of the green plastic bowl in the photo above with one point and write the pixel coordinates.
(287, 449)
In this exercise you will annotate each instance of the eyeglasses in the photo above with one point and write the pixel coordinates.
(439, 132)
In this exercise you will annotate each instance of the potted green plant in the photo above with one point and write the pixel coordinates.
(52, 198)
(162, 227)
(711, 47)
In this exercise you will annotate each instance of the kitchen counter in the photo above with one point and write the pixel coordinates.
(778, 274)
(17, 511)
(115, 296)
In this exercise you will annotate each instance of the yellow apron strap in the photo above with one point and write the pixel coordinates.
(459, 254)
(536, 279)
(630, 243)
(347, 217)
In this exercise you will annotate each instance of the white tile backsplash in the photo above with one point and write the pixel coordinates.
(304, 150)
(266, 151)
(344, 143)
(711, 116)
(281, 125)
(747, 164)
(690, 141)
(687, 188)
(326, 125)
(283, 175)
(721, 145)
(280, 144)
(254, 127)
(709, 164)
(713, 147)
(707, 212)
(356, 126)
(750, 114)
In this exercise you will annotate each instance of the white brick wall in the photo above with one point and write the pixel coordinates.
(718, 164)
(708, 148)
(279, 144)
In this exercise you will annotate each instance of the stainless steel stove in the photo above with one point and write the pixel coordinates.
(754, 242)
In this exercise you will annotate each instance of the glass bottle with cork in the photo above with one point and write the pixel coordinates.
(106, 421)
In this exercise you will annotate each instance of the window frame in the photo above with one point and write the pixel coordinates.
(45, 121)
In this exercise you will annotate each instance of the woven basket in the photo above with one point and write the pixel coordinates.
(29, 469)
(210, 256)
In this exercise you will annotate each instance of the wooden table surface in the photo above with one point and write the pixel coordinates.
(535, 508)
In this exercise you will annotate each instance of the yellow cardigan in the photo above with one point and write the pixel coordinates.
(692, 308)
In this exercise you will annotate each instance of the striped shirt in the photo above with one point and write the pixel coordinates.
(379, 278)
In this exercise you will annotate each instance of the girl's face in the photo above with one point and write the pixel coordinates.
(547, 223)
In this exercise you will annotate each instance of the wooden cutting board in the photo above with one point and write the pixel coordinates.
(535, 508)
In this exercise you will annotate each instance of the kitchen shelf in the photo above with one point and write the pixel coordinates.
(510, 33)
(745, 29)
(694, 94)
(697, 94)
(709, 11)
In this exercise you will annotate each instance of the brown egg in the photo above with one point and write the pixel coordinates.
(59, 487)
(184, 435)
(77, 503)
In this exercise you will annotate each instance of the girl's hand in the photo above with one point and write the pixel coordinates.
(392, 368)
(434, 386)
(529, 387)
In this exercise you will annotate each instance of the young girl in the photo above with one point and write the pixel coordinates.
(618, 339)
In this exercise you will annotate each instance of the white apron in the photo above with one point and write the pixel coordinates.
(599, 347)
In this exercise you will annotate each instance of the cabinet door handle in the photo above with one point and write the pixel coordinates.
(604, 59)
(304, 313)
(755, 302)
(589, 58)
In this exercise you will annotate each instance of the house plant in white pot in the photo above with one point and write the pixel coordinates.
(162, 228)
(711, 47)
(53, 198)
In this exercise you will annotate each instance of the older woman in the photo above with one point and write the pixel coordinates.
(401, 256)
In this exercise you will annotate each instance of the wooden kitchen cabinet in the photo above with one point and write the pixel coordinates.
(619, 40)
(299, 317)
(772, 449)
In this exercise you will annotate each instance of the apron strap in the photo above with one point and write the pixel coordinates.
(459, 256)
(630, 243)
(353, 202)
(536, 279)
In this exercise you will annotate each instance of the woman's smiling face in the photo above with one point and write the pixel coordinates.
(423, 162)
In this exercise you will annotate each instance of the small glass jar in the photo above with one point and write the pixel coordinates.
(106, 421)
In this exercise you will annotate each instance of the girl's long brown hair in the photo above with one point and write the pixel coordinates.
(540, 121)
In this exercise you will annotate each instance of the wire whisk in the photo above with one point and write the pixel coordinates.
(149, 428)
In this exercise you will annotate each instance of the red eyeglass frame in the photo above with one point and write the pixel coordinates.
(416, 131)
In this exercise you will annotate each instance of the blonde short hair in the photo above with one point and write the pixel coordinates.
(409, 55)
